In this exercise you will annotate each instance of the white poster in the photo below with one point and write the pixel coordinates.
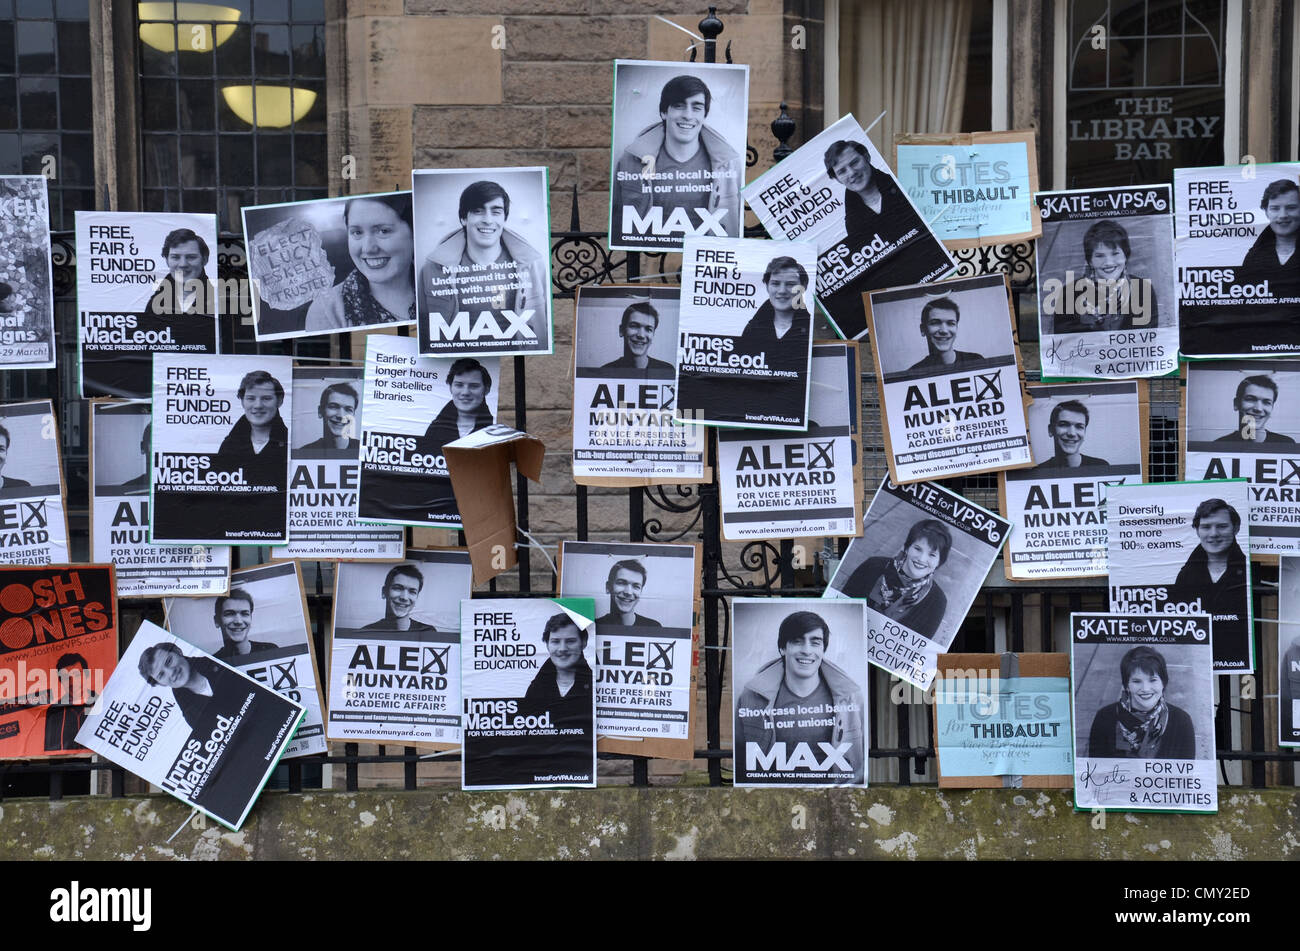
(625, 387)
(33, 515)
(1143, 713)
(26, 284)
(789, 485)
(260, 628)
(120, 434)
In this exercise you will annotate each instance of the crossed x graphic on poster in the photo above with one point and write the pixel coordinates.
(33, 514)
(284, 676)
(435, 660)
(988, 386)
(823, 455)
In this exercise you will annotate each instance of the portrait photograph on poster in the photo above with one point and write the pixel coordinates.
(799, 692)
(1107, 298)
(178, 718)
(1238, 266)
(482, 250)
(325, 469)
(625, 389)
(1057, 508)
(144, 286)
(221, 449)
(1243, 421)
(415, 405)
(58, 651)
(32, 490)
(529, 704)
(745, 338)
(838, 192)
(948, 410)
(923, 555)
(1184, 548)
(974, 188)
(1143, 710)
(332, 264)
(26, 281)
(260, 628)
(643, 649)
(777, 484)
(1288, 652)
(120, 436)
(677, 153)
(395, 654)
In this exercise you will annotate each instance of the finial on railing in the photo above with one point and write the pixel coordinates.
(573, 213)
(783, 128)
(709, 28)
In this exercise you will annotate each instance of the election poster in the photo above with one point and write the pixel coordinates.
(526, 685)
(745, 341)
(923, 555)
(404, 479)
(1183, 548)
(58, 647)
(948, 411)
(120, 434)
(974, 188)
(144, 286)
(1107, 299)
(1241, 421)
(208, 734)
(261, 629)
(483, 249)
(799, 693)
(395, 654)
(1057, 508)
(221, 449)
(325, 471)
(1003, 721)
(786, 485)
(625, 390)
(644, 676)
(26, 284)
(837, 191)
(33, 515)
(1238, 268)
(677, 153)
(331, 265)
(1143, 706)
(1288, 652)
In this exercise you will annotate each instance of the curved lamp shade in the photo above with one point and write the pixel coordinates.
(195, 25)
(269, 107)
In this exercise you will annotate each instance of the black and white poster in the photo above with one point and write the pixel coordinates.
(482, 245)
(677, 153)
(208, 734)
(799, 692)
(26, 285)
(1243, 421)
(1058, 508)
(625, 388)
(1182, 548)
(1107, 299)
(838, 192)
(414, 406)
(260, 628)
(949, 410)
(643, 641)
(395, 655)
(922, 558)
(325, 471)
(789, 485)
(145, 285)
(745, 341)
(221, 449)
(1288, 652)
(33, 514)
(1143, 688)
(527, 693)
(1238, 264)
(120, 435)
(331, 265)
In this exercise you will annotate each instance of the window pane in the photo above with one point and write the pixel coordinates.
(271, 51)
(309, 160)
(237, 158)
(35, 43)
(78, 165)
(159, 159)
(158, 104)
(9, 162)
(234, 57)
(35, 148)
(74, 48)
(8, 103)
(38, 103)
(75, 104)
(197, 110)
(274, 159)
(314, 120)
(155, 62)
(198, 161)
(272, 10)
(73, 9)
(7, 62)
(308, 51)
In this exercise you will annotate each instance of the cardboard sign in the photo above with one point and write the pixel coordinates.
(1143, 713)
(26, 284)
(33, 515)
(58, 647)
